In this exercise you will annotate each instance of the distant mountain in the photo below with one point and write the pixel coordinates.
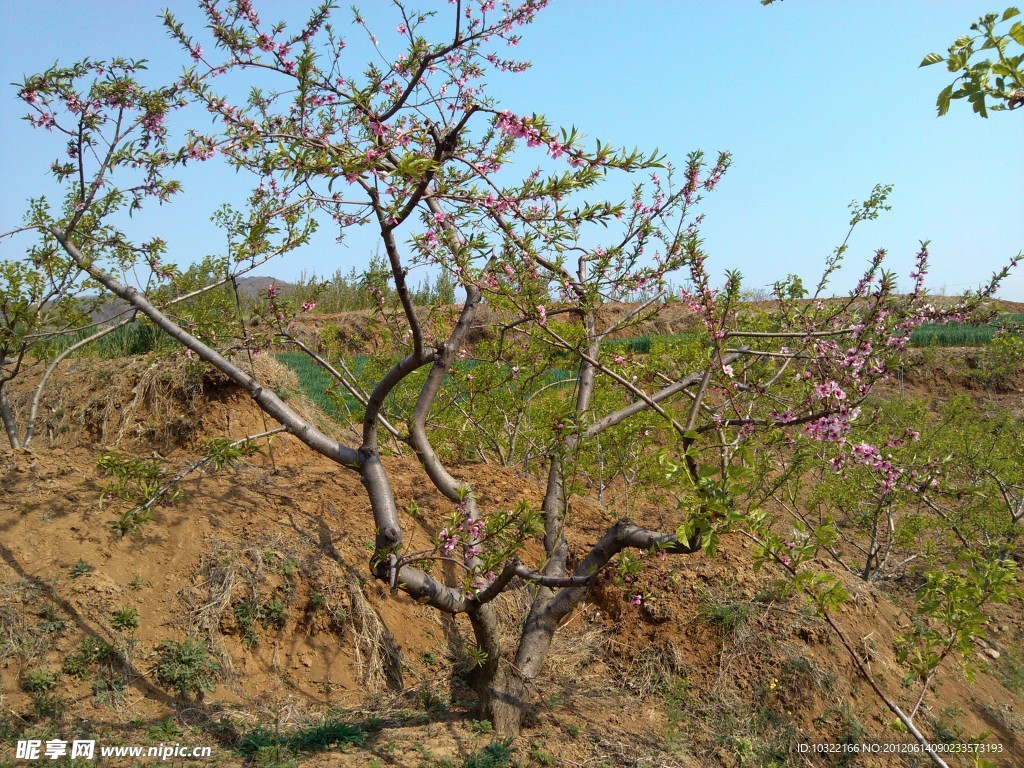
(252, 285)
(248, 286)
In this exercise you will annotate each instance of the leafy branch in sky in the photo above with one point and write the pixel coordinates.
(999, 79)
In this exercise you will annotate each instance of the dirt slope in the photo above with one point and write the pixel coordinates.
(266, 564)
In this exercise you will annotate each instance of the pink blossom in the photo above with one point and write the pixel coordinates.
(271, 290)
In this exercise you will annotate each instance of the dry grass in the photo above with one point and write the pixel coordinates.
(18, 638)
(207, 601)
(378, 657)
(654, 669)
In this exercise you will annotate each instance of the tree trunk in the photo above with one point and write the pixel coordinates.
(499, 686)
(502, 700)
(7, 417)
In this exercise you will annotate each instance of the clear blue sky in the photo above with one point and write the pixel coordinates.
(817, 100)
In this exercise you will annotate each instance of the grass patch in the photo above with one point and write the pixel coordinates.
(318, 385)
(327, 735)
(961, 334)
(497, 754)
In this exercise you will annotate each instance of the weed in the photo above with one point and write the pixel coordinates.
(108, 689)
(540, 755)
(51, 620)
(432, 701)
(125, 619)
(186, 666)
(1010, 674)
(758, 736)
(497, 754)
(90, 652)
(38, 681)
(274, 757)
(849, 731)
(48, 705)
(165, 730)
(481, 726)
(317, 738)
(253, 611)
(81, 568)
(800, 673)
(728, 617)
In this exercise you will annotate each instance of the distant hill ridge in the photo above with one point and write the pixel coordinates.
(248, 286)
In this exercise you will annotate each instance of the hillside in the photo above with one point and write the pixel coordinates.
(265, 565)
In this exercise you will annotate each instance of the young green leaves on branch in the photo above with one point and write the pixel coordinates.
(993, 83)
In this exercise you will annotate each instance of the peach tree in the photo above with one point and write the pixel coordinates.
(413, 149)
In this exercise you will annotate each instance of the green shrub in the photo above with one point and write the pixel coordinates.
(125, 619)
(1003, 358)
(497, 754)
(90, 652)
(186, 666)
(38, 681)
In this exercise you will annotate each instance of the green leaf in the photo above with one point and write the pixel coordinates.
(943, 101)
(1009, 13)
(977, 100)
(1017, 33)
(931, 58)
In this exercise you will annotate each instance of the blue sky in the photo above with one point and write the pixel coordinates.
(817, 100)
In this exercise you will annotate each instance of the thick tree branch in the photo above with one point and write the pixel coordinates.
(267, 400)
